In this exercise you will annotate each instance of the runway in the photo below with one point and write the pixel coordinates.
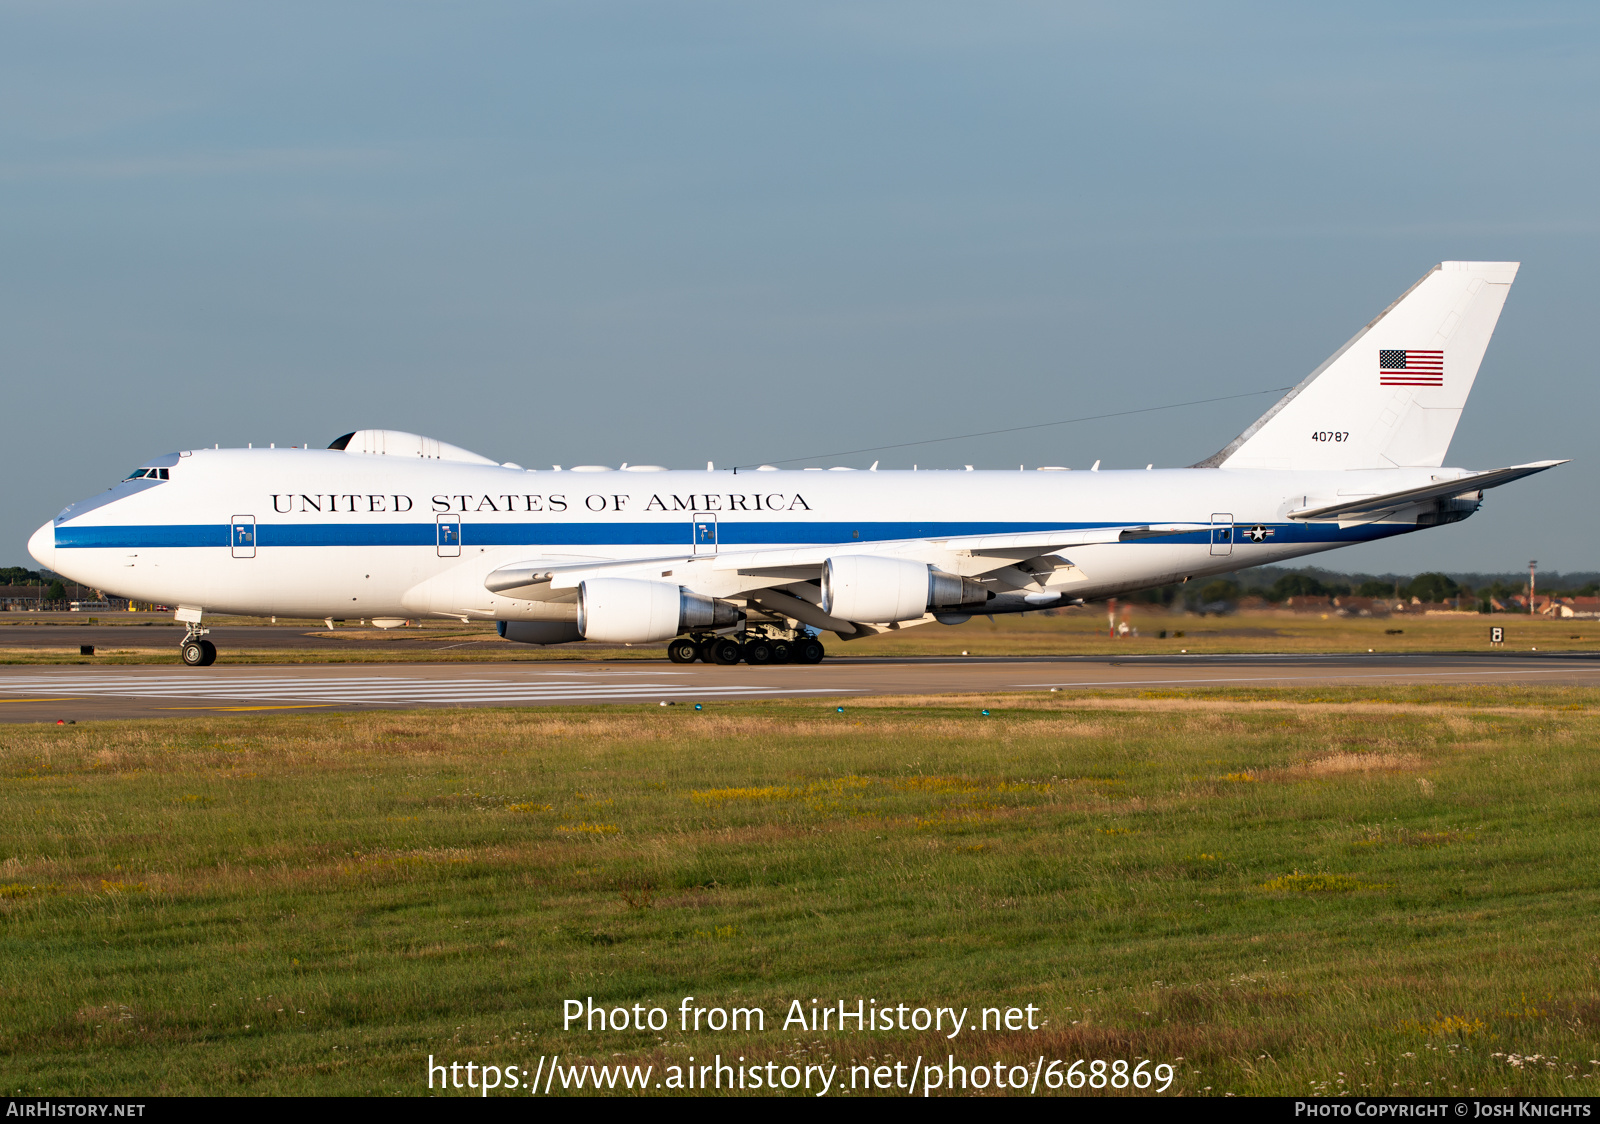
(78, 694)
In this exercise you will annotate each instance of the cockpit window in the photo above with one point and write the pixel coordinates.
(147, 474)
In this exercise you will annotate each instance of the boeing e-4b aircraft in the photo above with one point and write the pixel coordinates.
(751, 565)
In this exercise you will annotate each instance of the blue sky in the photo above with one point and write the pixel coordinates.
(672, 233)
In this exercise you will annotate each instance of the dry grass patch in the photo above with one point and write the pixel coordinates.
(1336, 763)
(1319, 883)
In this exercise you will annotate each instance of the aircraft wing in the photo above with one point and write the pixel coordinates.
(541, 579)
(1472, 482)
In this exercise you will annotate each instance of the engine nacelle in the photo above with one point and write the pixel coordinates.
(630, 611)
(539, 632)
(873, 589)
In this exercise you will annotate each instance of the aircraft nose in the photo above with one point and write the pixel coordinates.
(43, 546)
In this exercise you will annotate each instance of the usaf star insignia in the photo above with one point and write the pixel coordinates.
(1259, 533)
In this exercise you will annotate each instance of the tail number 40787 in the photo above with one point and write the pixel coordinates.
(1330, 435)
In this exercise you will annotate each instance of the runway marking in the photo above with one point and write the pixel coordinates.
(1281, 678)
(241, 690)
(387, 689)
(292, 706)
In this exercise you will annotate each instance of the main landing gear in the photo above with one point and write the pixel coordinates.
(759, 645)
(197, 651)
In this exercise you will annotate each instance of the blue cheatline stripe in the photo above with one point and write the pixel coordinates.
(676, 534)
(348, 534)
(149, 536)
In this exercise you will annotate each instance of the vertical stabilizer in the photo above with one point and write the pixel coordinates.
(1390, 397)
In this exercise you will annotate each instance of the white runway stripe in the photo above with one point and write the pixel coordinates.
(1319, 677)
(226, 682)
(380, 689)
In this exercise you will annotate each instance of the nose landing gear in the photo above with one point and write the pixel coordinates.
(197, 651)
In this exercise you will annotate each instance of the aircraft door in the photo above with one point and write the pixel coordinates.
(449, 536)
(705, 534)
(242, 536)
(1221, 533)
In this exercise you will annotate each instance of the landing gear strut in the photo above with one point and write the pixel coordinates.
(761, 644)
(196, 651)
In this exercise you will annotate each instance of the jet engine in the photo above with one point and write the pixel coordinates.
(877, 590)
(630, 611)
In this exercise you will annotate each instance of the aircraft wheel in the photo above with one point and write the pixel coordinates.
(726, 652)
(809, 651)
(683, 650)
(193, 655)
(210, 650)
(781, 652)
(758, 652)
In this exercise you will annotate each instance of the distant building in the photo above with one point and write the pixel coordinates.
(1578, 607)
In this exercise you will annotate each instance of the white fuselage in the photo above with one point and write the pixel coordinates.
(300, 532)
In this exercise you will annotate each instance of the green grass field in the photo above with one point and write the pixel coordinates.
(1286, 892)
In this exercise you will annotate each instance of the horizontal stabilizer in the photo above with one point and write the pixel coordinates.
(1472, 482)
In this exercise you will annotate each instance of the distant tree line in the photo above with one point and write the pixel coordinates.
(1277, 585)
(13, 576)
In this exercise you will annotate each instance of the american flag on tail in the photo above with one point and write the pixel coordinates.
(1410, 368)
